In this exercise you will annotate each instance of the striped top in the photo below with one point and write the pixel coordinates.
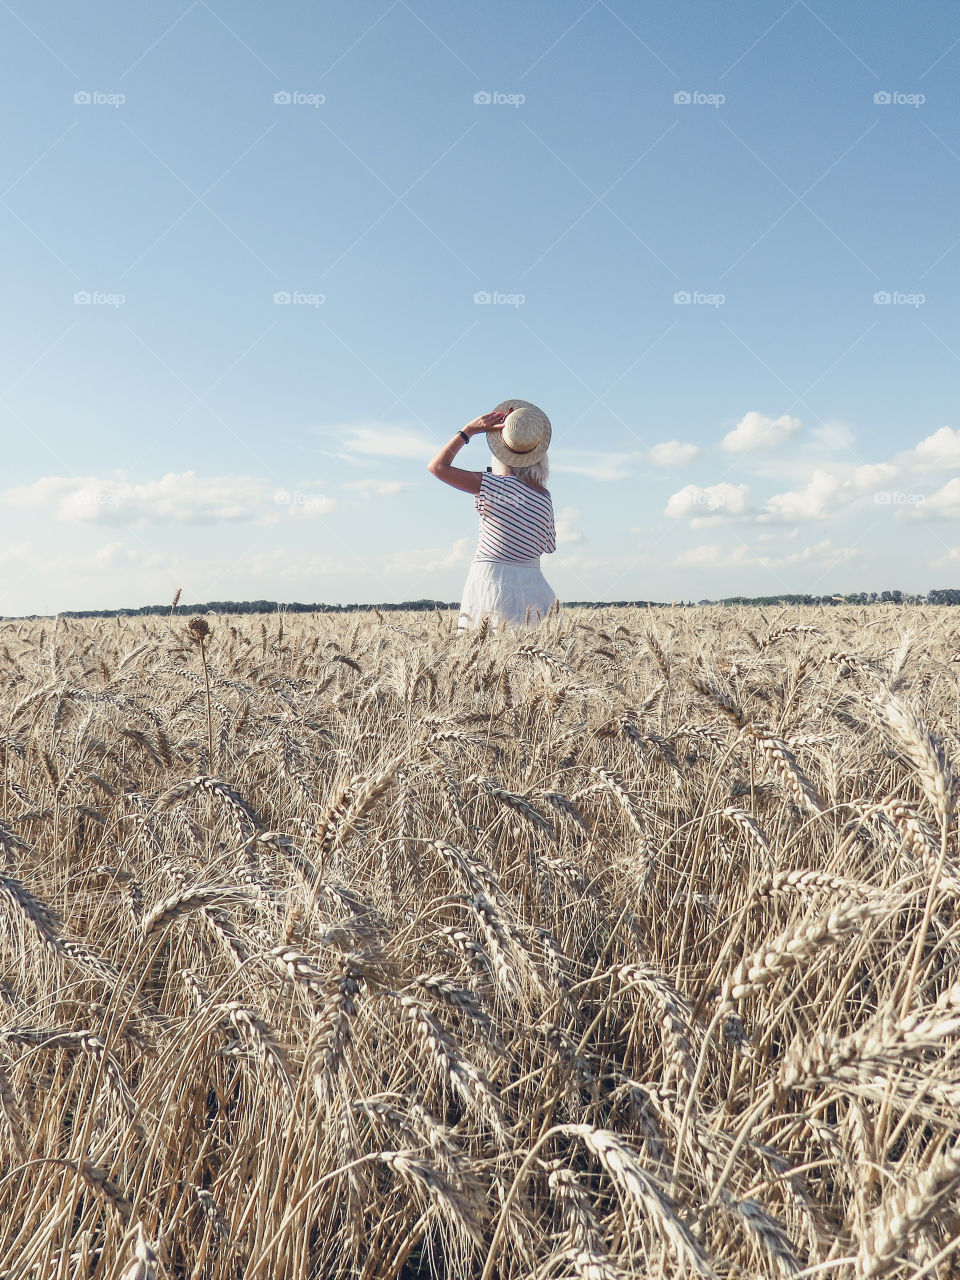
(516, 520)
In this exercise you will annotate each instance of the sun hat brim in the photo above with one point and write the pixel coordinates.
(511, 457)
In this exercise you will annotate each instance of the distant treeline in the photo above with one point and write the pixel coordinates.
(253, 606)
(938, 595)
(274, 606)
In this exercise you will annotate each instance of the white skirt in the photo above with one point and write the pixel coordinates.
(507, 591)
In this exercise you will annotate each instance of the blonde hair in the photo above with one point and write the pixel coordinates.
(537, 473)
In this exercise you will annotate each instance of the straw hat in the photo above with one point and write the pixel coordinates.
(525, 437)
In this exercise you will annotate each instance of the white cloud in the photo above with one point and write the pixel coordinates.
(383, 441)
(712, 556)
(822, 551)
(307, 506)
(825, 494)
(383, 488)
(429, 559)
(836, 436)
(114, 555)
(756, 431)
(811, 503)
(567, 520)
(595, 464)
(695, 501)
(941, 451)
(942, 505)
(294, 567)
(874, 475)
(16, 553)
(674, 453)
(176, 498)
(709, 556)
(580, 560)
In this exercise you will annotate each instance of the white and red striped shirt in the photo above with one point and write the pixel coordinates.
(516, 520)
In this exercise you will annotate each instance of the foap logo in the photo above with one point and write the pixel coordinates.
(694, 98)
(893, 298)
(894, 98)
(498, 498)
(494, 98)
(898, 498)
(294, 98)
(693, 298)
(692, 496)
(94, 98)
(285, 298)
(294, 498)
(484, 298)
(97, 498)
(86, 298)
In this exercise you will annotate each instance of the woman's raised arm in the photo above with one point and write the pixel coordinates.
(440, 466)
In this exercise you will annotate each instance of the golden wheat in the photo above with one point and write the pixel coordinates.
(624, 946)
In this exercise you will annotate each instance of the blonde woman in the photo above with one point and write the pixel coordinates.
(505, 583)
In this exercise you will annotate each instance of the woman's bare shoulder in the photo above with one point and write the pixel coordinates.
(529, 484)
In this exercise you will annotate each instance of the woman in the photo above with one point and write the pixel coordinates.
(516, 515)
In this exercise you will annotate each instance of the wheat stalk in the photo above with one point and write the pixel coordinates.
(360, 949)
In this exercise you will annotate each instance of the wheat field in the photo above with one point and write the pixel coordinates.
(349, 946)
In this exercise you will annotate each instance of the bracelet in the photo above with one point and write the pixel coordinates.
(466, 438)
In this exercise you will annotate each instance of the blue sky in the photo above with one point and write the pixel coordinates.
(720, 246)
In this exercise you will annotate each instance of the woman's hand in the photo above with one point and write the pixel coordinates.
(487, 422)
